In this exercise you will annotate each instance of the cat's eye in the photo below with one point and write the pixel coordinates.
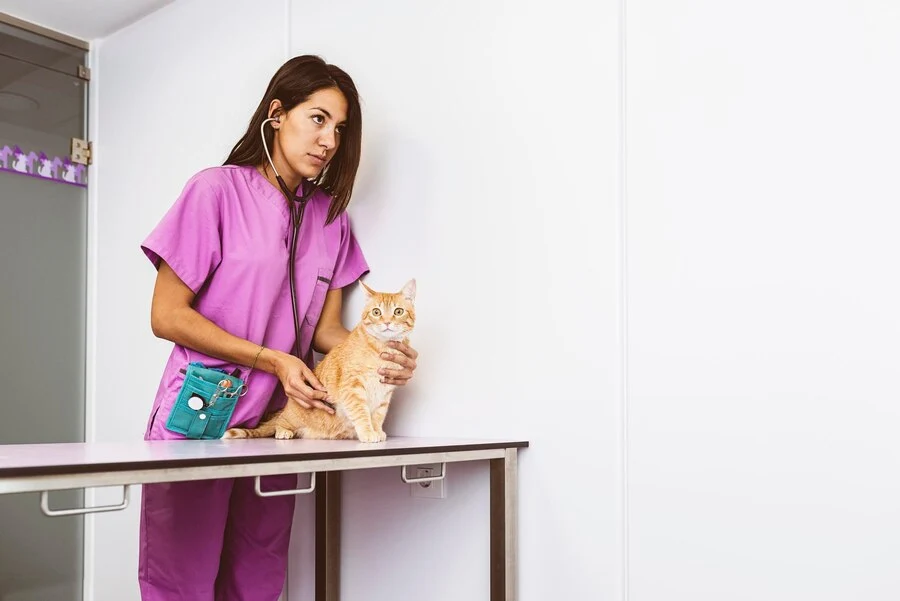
(398, 311)
(376, 312)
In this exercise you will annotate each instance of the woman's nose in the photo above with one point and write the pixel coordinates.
(328, 139)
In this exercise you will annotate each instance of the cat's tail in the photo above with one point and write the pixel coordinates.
(264, 430)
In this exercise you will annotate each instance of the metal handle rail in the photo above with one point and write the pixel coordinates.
(283, 493)
(409, 480)
(45, 505)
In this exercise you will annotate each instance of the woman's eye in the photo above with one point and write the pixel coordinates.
(376, 312)
(398, 312)
(318, 119)
(340, 129)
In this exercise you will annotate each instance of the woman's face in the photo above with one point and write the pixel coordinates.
(309, 135)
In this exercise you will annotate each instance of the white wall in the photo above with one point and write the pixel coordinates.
(490, 173)
(762, 300)
(760, 314)
(472, 121)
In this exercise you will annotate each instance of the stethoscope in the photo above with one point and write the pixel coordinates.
(297, 206)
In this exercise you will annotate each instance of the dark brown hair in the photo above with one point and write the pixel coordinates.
(293, 84)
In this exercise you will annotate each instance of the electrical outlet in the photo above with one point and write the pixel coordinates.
(434, 489)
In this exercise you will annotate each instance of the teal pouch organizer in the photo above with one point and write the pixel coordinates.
(205, 403)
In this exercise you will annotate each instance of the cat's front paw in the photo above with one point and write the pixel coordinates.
(370, 437)
(381, 436)
(283, 434)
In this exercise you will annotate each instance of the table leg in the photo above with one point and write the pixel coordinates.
(328, 536)
(504, 527)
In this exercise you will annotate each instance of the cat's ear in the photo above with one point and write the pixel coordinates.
(366, 289)
(409, 290)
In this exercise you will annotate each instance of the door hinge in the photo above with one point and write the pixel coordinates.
(82, 152)
(84, 73)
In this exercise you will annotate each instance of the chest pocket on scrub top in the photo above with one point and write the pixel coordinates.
(320, 290)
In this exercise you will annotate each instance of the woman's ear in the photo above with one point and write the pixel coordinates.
(276, 111)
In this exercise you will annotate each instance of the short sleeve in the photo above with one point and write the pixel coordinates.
(350, 264)
(188, 238)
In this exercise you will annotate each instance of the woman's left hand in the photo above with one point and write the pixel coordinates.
(405, 358)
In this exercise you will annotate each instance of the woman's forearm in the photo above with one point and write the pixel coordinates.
(187, 327)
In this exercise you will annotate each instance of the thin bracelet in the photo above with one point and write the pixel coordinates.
(261, 349)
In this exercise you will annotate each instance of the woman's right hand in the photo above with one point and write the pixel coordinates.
(300, 383)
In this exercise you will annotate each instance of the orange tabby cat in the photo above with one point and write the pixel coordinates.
(349, 373)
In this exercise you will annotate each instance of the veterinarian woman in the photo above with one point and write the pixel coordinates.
(223, 297)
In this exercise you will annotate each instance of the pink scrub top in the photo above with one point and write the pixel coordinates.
(227, 237)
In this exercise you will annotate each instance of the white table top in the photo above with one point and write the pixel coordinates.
(69, 458)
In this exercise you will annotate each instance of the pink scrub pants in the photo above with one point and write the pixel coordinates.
(214, 540)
